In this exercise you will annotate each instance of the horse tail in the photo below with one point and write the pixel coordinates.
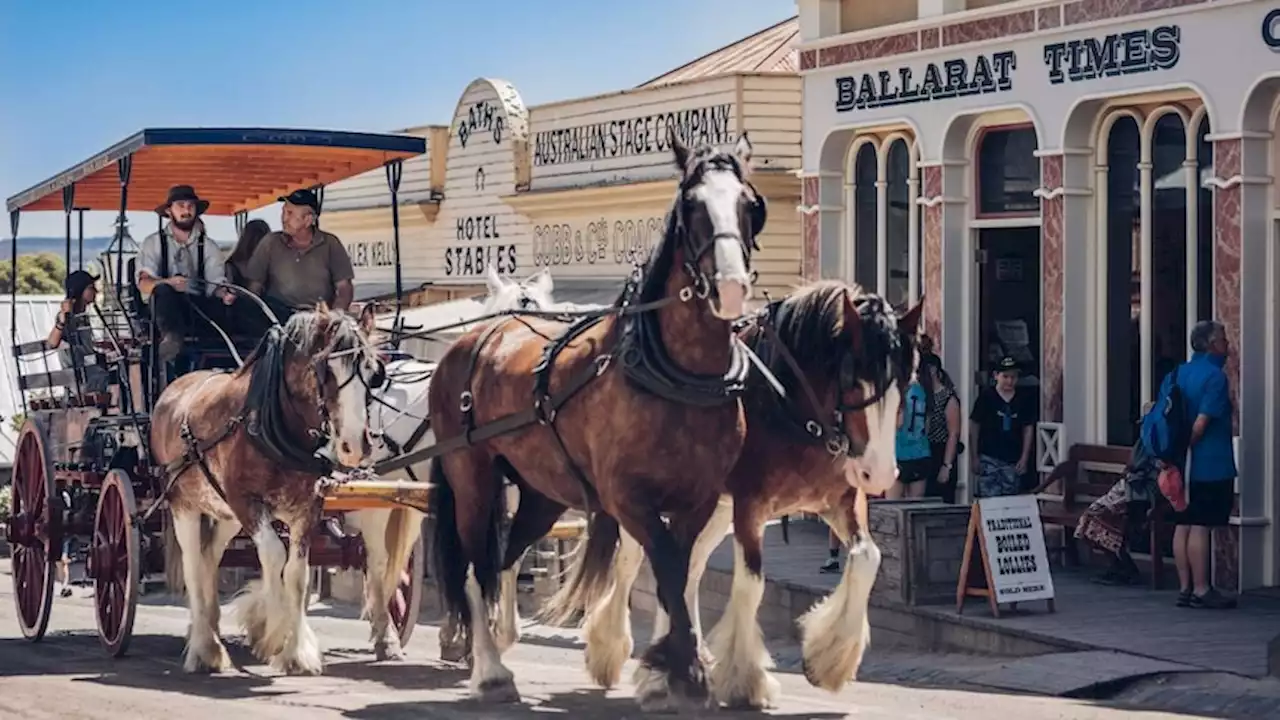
(173, 577)
(404, 527)
(449, 560)
(589, 575)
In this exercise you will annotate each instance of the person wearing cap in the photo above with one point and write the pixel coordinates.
(1002, 431)
(72, 326)
(179, 269)
(302, 265)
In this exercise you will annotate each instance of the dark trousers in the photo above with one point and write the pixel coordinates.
(933, 488)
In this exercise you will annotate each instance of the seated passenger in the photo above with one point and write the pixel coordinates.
(299, 267)
(73, 326)
(238, 262)
(170, 260)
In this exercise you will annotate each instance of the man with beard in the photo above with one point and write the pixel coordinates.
(303, 265)
(171, 265)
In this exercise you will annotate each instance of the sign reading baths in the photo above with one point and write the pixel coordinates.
(632, 136)
(989, 73)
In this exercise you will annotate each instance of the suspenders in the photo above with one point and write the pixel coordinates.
(164, 255)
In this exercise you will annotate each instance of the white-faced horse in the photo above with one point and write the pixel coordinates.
(399, 415)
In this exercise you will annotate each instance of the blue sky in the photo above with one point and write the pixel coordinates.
(74, 81)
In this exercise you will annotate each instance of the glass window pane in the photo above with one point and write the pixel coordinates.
(1204, 233)
(1123, 282)
(864, 221)
(897, 242)
(1008, 172)
(1168, 248)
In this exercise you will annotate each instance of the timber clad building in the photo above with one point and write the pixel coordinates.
(578, 187)
(1070, 182)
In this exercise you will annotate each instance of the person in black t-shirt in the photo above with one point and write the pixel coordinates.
(1002, 430)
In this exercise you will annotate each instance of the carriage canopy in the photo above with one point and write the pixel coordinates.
(235, 169)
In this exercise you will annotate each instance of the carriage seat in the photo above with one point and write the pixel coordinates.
(69, 380)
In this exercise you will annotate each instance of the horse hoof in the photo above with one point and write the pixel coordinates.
(656, 692)
(455, 654)
(497, 690)
(386, 652)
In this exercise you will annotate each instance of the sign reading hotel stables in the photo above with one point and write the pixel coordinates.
(988, 73)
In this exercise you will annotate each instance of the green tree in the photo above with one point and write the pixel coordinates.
(38, 274)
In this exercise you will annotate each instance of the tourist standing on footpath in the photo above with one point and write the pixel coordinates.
(1002, 431)
(1211, 467)
(943, 428)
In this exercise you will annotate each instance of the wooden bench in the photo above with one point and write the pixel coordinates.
(1088, 473)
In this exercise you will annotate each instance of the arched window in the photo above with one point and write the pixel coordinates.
(865, 217)
(1123, 280)
(1163, 231)
(885, 219)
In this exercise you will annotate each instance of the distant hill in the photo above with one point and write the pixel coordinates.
(93, 247)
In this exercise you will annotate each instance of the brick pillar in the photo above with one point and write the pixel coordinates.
(1226, 299)
(1051, 288)
(931, 240)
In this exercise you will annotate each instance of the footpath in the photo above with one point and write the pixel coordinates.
(1123, 647)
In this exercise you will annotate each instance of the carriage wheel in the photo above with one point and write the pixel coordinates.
(33, 529)
(406, 599)
(114, 562)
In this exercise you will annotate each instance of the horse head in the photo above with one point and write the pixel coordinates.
(330, 370)
(716, 218)
(856, 356)
(872, 377)
(533, 293)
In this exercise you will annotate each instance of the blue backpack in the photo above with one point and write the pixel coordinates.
(1166, 431)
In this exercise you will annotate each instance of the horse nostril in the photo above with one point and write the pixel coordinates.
(346, 447)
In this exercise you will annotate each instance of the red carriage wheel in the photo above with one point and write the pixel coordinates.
(406, 600)
(33, 530)
(114, 562)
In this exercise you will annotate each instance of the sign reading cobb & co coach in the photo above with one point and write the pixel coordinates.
(608, 242)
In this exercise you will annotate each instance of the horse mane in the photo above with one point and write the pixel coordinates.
(811, 322)
(657, 267)
(267, 368)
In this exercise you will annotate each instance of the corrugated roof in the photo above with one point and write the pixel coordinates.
(770, 50)
(36, 314)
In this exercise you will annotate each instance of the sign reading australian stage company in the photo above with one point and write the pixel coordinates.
(629, 137)
(987, 73)
(1126, 53)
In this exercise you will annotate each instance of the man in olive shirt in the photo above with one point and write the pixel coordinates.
(302, 265)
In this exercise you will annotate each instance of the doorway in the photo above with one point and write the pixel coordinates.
(1009, 304)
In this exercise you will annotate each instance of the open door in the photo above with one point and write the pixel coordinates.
(1009, 302)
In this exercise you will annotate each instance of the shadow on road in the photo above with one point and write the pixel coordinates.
(591, 704)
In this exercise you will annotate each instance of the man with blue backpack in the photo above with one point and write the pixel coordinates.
(1192, 415)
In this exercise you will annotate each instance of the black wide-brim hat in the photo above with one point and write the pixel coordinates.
(77, 282)
(183, 192)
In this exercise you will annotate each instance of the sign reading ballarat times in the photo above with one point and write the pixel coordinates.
(476, 229)
(1014, 540)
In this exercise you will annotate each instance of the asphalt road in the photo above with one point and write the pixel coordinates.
(68, 676)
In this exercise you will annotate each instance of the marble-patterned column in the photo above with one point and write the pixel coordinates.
(931, 239)
(810, 226)
(1051, 273)
(1226, 299)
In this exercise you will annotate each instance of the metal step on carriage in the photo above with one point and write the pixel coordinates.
(91, 448)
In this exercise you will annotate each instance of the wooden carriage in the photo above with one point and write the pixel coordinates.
(82, 470)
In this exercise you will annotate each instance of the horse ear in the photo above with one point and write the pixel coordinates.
(743, 150)
(852, 323)
(679, 150)
(494, 280)
(909, 323)
(542, 281)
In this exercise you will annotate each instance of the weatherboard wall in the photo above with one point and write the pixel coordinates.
(579, 187)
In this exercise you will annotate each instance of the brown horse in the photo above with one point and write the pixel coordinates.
(243, 448)
(633, 415)
(840, 355)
